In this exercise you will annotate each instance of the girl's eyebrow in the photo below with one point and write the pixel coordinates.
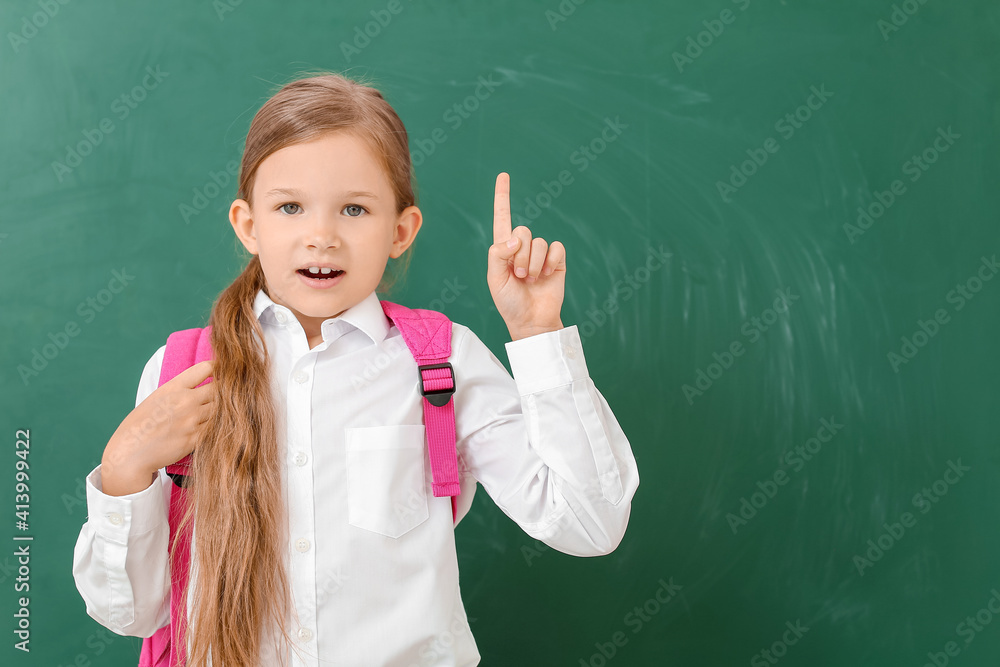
(292, 192)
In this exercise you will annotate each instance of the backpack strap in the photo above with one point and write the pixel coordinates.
(184, 349)
(427, 333)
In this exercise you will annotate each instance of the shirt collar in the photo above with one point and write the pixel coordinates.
(367, 316)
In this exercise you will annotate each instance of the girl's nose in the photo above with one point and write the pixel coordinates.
(324, 233)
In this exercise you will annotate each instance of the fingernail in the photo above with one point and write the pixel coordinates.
(520, 272)
(529, 279)
(512, 242)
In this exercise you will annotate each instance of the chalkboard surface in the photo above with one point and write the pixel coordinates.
(781, 232)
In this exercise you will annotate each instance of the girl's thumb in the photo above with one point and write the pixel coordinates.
(506, 249)
(498, 266)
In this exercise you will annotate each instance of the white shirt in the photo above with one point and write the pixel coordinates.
(371, 552)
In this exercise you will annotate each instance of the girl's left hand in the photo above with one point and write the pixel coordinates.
(526, 280)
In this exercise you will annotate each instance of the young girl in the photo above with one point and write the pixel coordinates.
(316, 539)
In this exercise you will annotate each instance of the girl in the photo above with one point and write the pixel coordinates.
(315, 539)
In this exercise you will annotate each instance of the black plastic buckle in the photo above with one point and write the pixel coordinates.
(437, 397)
(180, 480)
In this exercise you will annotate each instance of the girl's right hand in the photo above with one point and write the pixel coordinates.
(164, 428)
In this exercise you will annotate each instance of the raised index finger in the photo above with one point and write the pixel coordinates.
(501, 208)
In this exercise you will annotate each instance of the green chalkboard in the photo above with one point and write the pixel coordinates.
(781, 223)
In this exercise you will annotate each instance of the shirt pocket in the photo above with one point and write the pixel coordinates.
(386, 488)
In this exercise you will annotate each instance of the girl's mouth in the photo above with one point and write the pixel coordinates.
(320, 280)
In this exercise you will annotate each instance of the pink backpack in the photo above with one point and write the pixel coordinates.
(427, 334)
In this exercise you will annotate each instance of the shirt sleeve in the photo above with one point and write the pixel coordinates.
(120, 561)
(544, 443)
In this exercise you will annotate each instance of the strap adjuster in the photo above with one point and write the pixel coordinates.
(436, 397)
(183, 481)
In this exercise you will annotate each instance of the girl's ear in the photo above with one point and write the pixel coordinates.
(240, 218)
(407, 226)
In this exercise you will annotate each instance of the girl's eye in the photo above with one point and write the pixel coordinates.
(353, 210)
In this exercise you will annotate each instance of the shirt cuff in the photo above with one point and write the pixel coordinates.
(115, 517)
(547, 360)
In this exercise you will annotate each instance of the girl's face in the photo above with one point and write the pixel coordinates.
(324, 203)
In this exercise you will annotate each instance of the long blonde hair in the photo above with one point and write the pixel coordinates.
(236, 501)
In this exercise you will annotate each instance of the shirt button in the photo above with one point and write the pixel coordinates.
(301, 377)
(116, 518)
(280, 316)
(302, 545)
(305, 634)
(300, 458)
(570, 351)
